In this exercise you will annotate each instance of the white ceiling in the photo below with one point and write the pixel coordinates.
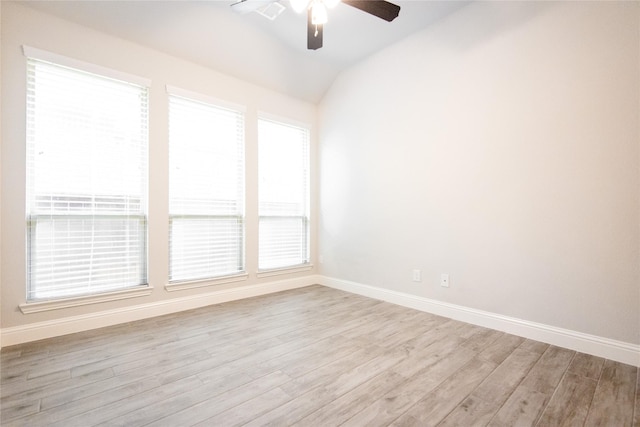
(272, 54)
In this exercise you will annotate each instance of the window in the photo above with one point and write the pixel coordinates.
(206, 190)
(86, 182)
(283, 193)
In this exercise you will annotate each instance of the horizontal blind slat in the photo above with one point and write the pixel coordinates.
(206, 190)
(283, 195)
(87, 138)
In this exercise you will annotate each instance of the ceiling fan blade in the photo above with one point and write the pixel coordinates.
(314, 33)
(380, 8)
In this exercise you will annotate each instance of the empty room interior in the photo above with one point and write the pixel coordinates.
(304, 213)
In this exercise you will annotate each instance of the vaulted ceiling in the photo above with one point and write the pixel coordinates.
(272, 54)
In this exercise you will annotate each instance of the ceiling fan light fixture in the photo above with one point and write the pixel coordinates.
(318, 13)
(299, 6)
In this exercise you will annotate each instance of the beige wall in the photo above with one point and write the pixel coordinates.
(500, 146)
(24, 26)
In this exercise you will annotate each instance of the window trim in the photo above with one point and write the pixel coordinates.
(138, 290)
(205, 99)
(279, 271)
(39, 306)
(263, 115)
(65, 61)
(204, 283)
(231, 277)
(308, 265)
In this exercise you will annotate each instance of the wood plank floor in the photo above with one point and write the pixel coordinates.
(309, 357)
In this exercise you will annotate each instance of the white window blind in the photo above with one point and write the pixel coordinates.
(86, 182)
(283, 164)
(206, 190)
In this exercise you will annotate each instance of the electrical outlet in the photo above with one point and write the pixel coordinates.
(444, 280)
(417, 276)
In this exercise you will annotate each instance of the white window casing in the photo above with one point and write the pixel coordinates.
(206, 189)
(86, 202)
(283, 195)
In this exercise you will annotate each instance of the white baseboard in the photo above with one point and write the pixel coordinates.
(598, 346)
(585, 343)
(68, 325)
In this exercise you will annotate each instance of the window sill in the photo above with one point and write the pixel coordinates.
(193, 284)
(40, 306)
(285, 270)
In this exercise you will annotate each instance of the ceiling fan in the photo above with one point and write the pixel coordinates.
(317, 12)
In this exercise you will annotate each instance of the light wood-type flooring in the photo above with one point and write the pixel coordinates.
(310, 357)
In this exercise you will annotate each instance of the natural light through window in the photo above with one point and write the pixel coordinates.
(283, 164)
(206, 190)
(86, 182)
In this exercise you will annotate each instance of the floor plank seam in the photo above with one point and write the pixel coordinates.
(636, 407)
(555, 390)
(594, 393)
(304, 355)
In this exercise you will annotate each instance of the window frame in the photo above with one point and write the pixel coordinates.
(240, 217)
(305, 218)
(71, 299)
